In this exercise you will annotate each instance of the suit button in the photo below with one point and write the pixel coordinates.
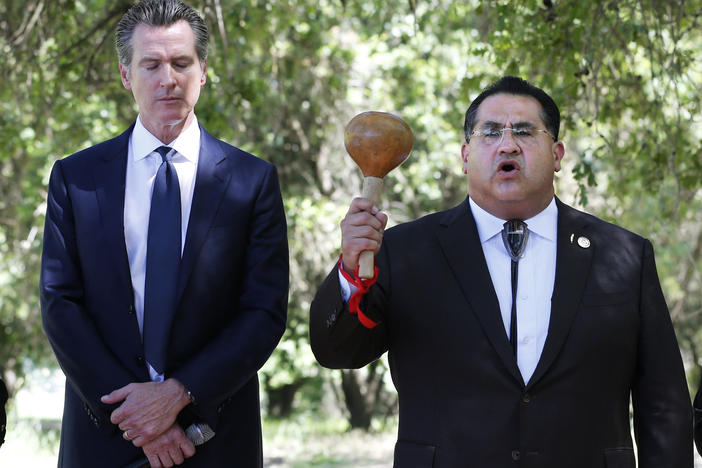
(526, 398)
(139, 359)
(516, 455)
(131, 310)
(331, 319)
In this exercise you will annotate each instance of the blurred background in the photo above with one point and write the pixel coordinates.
(284, 78)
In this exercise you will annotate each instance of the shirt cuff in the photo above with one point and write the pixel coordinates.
(361, 286)
(347, 289)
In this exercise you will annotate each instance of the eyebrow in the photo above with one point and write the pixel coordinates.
(153, 58)
(520, 124)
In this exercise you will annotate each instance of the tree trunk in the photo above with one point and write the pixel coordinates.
(365, 396)
(280, 399)
(356, 402)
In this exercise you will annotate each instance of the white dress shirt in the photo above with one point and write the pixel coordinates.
(142, 165)
(537, 273)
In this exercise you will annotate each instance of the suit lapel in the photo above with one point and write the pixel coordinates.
(210, 183)
(572, 267)
(459, 240)
(110, 178)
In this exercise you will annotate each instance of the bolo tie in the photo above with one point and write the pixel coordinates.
(514, 236)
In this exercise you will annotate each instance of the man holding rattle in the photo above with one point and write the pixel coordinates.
(519, 329)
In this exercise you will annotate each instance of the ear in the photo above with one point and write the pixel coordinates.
(558, 150)
(203, 78)
(124, 73)
(465, 152)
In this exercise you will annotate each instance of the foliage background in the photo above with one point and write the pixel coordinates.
(284, 77)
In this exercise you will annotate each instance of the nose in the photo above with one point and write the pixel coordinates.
(167, 79)
(508, 143)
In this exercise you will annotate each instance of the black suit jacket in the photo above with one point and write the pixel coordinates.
(698, 418)
(232, 299)
(462, 399)
(3, 414)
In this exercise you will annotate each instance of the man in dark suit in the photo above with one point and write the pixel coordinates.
(518, 329)
(3, 415)
(162, 307)
(698, 418)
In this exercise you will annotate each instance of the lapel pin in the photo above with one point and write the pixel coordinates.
(583, 242)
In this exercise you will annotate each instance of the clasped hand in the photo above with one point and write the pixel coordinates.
(147, 418)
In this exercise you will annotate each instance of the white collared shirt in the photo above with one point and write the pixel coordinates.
(537, 274)
(142, 165)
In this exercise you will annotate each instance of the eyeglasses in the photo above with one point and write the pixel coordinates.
(524, 136)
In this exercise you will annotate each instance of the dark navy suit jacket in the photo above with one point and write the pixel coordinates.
(462, 399)
(698, 418)
(232, 299)
(3, 415)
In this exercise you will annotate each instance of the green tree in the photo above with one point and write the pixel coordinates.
(285, 77)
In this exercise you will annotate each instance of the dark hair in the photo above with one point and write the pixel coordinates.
(515, 85)
(159, 13)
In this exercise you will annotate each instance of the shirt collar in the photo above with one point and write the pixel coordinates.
(545, 223)
(186, 144)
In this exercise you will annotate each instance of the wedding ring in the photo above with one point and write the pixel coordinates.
(125, 434)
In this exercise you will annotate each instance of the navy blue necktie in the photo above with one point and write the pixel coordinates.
(514, 236)
(162, 261)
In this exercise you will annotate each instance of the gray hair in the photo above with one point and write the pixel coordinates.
(159, 13)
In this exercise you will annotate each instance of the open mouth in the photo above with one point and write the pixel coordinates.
(508, 167)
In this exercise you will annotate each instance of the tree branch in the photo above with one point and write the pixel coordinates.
(26, 27)
(118, 10)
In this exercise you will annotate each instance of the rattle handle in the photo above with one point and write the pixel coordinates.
(372, 187)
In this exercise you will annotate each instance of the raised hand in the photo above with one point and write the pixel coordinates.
(361, 229)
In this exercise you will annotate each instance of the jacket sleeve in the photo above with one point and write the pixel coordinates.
(91, 368)
(661, 401)
(337, 337)
(698, 418)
